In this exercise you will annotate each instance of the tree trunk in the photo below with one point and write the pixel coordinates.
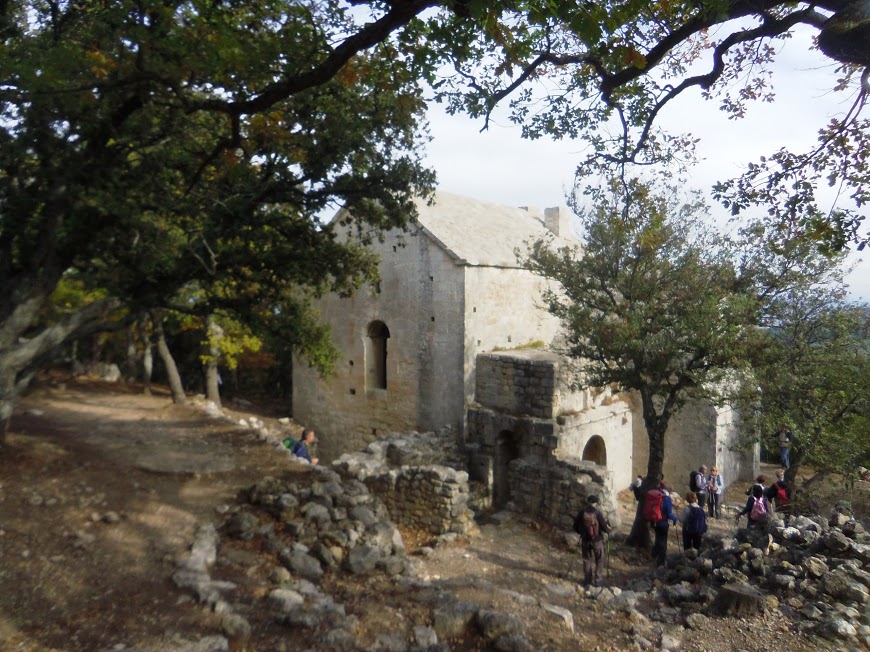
(212, 376)
(147, 356)
(639, 537)
(212, 382)
(845, 37)
(7, 405)
(656, 426)
(169, 362)
(20, 357)
(131, 352)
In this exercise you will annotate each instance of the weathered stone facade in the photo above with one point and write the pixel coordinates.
(450, 289)
(556, 492)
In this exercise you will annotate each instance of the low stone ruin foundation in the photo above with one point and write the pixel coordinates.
(418, 477)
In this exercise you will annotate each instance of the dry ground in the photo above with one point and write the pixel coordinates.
(102, 487)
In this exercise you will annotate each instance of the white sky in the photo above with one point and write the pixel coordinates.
(498, 166)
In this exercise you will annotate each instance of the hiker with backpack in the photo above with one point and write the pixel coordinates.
(694, 522)
(757, 508)
(658, 509)
(698, 485)
(715, 487)
(779, 494)
(760, 481)
(591, 525)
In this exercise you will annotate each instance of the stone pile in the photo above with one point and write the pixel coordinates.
(310, 530)
(815, 571)
(329, 524)
(417, 479)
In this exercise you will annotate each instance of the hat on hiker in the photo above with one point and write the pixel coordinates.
(592, 500)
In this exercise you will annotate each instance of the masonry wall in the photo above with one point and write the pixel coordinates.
(420, 301)
(527, 381)
(415, 475)
(502, 311)
(699, 434)
(557, 491)
(611, 420)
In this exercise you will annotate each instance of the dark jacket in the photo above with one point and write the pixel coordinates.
(603, 526)
(301, 450)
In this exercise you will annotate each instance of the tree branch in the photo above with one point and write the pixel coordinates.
(400, 13)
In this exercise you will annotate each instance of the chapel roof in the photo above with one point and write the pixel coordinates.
(480, 233)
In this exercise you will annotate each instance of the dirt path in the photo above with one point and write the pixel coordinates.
(102, 487)
(100, 490)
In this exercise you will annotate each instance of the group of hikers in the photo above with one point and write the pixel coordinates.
(703, 498)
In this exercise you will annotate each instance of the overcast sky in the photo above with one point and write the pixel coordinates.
(498, 166)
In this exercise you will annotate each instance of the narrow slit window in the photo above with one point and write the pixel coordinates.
(376, 358)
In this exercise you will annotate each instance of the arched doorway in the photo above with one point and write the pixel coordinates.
(506, 449)
(376, 355)
(595, 451)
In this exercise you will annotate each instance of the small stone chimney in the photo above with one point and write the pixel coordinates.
(557, 222)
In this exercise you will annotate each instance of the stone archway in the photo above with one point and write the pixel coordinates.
(506, 449)
(595, 451)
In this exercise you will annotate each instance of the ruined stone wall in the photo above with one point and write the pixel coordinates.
(609, 419)
(429, 497)
(527, 381)
(557, 491)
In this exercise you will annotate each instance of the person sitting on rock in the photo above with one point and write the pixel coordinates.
(301, 449)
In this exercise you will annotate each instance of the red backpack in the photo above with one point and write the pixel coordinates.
(781, 496)
(652, 508)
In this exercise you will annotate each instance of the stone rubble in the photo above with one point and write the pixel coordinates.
(814, 571)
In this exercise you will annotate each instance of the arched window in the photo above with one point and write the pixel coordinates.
(376, 355)
(595, 451)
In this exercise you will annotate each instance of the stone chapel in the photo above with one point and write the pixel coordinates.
(455, 336)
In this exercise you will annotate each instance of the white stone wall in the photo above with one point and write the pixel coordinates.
(613, 422)
(733, 465)
(699, 434)
(502, 311)
(420, 301)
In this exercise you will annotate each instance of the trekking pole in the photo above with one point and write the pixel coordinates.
(570, 566)
(607, 559)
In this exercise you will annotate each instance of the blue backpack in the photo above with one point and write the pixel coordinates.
(696, 521)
